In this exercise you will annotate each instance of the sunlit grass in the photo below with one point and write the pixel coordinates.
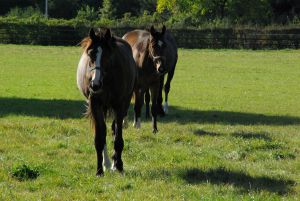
(232, 132)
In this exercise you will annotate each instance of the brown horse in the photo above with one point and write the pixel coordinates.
(170, 53)
(149, 54)
(106, 76)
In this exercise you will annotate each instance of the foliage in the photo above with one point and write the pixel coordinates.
(181, 13)
(192, 12)
(25, 12)
(107, 11)
(87, 13)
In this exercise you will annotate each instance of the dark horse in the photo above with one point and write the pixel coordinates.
(106, 76)
(149, 52)
(170, 53)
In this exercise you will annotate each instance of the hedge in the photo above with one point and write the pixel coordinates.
(65, 34)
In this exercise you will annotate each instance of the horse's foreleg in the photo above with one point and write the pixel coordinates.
(100, 135)
(138, 103)
(147, 101)
(118, 144)
(154, 92)
(167, 89)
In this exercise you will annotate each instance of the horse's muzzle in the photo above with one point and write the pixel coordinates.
(95, 88)
(161, 70)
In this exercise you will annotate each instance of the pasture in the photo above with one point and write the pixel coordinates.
(232, 133)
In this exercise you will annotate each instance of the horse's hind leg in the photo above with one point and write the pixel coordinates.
(154, 92)
(138, 103)
(167, 88)
(160, 110)
(118, 143)
(147, 102)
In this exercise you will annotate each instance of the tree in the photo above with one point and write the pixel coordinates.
(87, 13)
(107, 11)
(58, 8)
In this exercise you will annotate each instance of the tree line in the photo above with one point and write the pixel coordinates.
(180, 13)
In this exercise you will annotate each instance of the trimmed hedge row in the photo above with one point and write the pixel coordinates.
(186, 38)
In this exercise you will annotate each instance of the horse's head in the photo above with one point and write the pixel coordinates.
(99, 55)
(157, 48)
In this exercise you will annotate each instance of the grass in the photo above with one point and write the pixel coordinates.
(232, 132)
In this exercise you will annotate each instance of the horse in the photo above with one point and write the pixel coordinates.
(148, 48)
(106, 76)
(171, 55)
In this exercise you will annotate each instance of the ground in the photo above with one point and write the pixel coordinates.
(232, 132)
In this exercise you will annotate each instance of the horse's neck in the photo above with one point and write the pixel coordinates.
(147, 61)
(81, 74)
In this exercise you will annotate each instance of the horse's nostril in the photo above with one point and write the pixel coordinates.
(95, 86)
(161, 70)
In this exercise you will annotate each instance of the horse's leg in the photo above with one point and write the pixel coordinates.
(118, 143)
(100, 134)
(154, 92)
(137, 108)
(113, 127)
(147, 101)
(160, 110)
(106, 161)
(167, 88)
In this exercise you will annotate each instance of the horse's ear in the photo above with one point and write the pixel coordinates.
(152, 30)
(163, 30)
(108, 35)
(92, 34)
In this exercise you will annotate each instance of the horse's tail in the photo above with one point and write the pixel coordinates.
(89, 114)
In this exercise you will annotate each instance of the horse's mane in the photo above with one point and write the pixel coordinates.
(87, 41)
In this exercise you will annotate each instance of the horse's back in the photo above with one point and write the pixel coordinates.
(137, 39)
(136, 36)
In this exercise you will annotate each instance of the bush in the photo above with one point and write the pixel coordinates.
(25, 172)
(25, 12)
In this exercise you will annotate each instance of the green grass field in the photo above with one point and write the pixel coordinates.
(233, 131)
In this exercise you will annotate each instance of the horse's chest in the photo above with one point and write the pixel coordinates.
(147, 80)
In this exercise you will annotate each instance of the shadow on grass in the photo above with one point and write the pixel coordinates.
(55, 108)
(242, 134)
(221, 176)
(250, 136)
(200, 132)
(60, 108)
(186, 116)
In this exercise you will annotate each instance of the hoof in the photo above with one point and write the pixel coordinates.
(117, 167)
(154, 131)
(99, 174)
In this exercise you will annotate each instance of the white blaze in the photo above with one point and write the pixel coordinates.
(96, 75)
